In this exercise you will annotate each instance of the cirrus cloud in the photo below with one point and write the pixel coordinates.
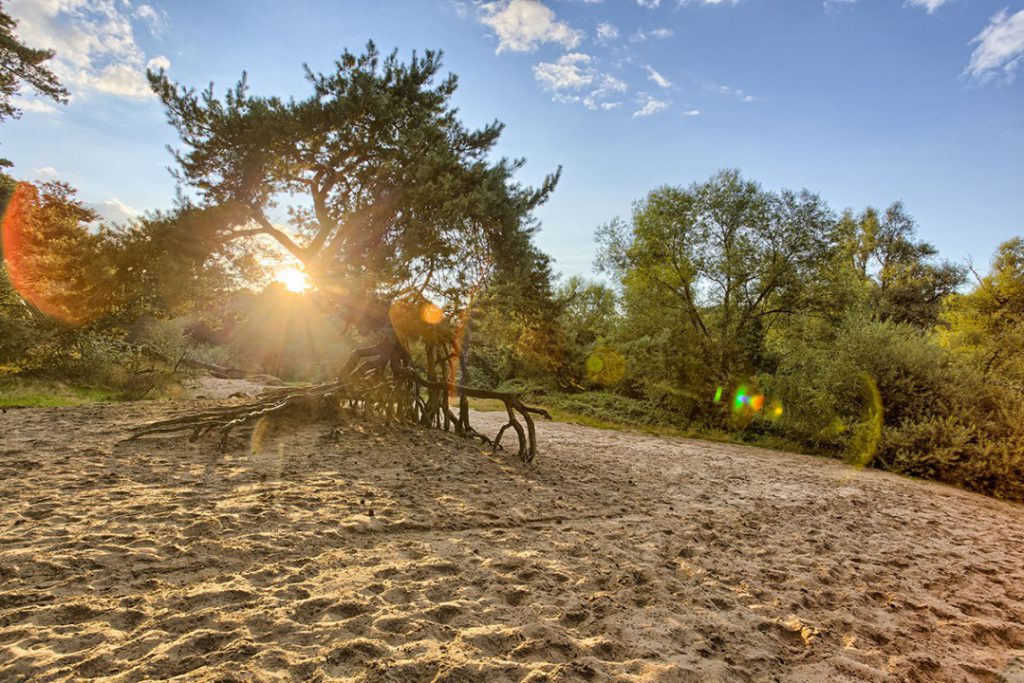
(1000, 48)
(649, 106)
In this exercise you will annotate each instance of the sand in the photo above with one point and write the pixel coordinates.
(414, 556)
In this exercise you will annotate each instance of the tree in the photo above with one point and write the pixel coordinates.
(52, 259)
(172, 263)
(398, 203)
(20, 64)
(906, 283)
(588, 317)
(987, 323)
(516, 321)
(714, 264)
(589, 310)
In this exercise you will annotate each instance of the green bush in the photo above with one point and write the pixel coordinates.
(614, 408)
(965, 450)
(820, 382)
(939, 418)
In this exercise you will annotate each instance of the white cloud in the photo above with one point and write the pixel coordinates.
(36, 106)
(158, 62)
(683, 3)
(660, 80)
(121, 79)
(156, 19)
(648, 4)
(649, 106)
(571, 71)
(1000, 49)
(656, 33)
(606, 32)
(731, 92)
(608, 87)
(523, 25)
(930, 5)
(45, 173)
(113, 210)
(93, 40)
(691, 112)
(574, 77)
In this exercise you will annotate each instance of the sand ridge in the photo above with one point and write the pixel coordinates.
(408, 555)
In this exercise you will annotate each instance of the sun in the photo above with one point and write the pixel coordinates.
(293, 279)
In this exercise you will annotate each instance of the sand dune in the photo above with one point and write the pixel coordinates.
(413, 556)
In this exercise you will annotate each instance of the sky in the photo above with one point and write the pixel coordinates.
(862, 101)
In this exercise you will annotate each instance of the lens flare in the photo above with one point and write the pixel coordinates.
(867, 433)
(431, 314)
(757, 402)
(718, 395)
(741, 399)
(40, 272)
(605, 366)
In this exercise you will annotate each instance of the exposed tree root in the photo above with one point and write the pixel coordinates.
(377, 383)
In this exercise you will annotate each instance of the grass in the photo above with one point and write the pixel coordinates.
(560, 414)
(41, 393)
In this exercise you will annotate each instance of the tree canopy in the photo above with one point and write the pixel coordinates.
(396, 194)
(722, 258)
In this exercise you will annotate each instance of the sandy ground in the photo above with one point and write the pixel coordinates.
(215, 388)
(413, 556)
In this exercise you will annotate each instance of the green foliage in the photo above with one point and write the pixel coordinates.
(987, 324)
(82, 303)
(19, 391)
(513, 328)
(281, 333)
(395, 194)
(906, 283)
(716, 262)
(833, 320)
(610, 407)
(940, 417)
(820, 381)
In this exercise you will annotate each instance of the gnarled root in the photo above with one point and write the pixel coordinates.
(377, 382)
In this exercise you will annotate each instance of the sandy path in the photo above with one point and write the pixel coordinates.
(615, 557)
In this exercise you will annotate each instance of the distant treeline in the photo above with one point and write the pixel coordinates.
(769, 315)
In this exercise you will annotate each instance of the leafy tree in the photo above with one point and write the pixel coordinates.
(714, 264)
(515, 323)
(20, 64)
(397, 202)
(53, 260)
(588, 311)
(173, 263)
(905, 281)
(395, 187)
(987, 323)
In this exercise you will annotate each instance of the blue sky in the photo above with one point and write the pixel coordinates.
(863, 101)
